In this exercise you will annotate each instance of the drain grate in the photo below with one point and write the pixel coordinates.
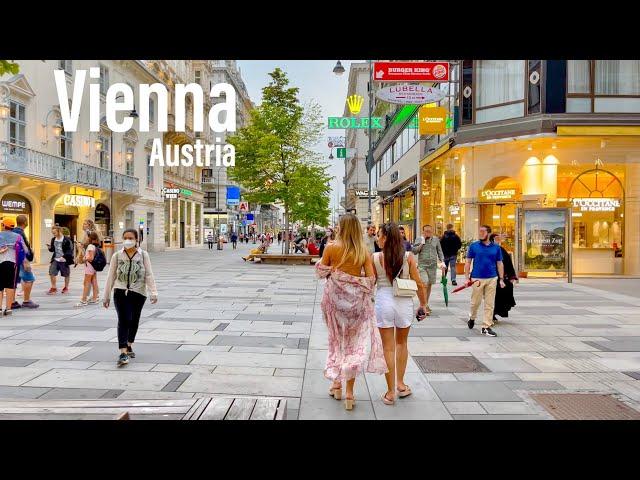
(449, 364)
(585, 406)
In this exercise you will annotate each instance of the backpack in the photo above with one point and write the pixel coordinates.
(99, 260)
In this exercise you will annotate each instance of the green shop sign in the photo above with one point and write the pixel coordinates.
(186, 192)
(363, 122)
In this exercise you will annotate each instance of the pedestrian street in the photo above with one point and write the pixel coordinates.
(226, 327)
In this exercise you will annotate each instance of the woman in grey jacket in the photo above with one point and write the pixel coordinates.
(131, 277)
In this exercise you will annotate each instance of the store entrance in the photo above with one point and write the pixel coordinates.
(69, 224)
(501, 217)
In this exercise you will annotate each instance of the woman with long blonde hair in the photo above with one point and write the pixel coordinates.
(347, 306)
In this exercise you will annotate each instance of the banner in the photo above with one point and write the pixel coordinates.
(233, 195)
(546, 237)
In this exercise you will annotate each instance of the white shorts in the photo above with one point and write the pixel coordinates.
(393, 311)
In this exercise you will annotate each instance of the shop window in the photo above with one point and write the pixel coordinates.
(578, 76)
(596, 198)
(617, 77)
(440, 194)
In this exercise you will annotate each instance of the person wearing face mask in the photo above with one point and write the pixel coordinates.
(131, 278)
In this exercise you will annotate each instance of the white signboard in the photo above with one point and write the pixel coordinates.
(596, 204)
(407, 94)
(336, 142)
(223, 228)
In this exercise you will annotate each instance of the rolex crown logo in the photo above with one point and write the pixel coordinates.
(354, 102)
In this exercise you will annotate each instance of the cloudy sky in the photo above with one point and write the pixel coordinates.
(316, 81)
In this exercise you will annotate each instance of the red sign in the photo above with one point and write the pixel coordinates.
(411, 71)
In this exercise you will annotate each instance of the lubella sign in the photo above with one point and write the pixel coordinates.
(410, 94)
(79, 201)
(596, 204)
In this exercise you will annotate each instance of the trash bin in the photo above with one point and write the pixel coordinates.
(108, 248)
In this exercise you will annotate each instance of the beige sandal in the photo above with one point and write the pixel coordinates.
(348, 403)
(404, 393)
(386, 400)
(336, 392)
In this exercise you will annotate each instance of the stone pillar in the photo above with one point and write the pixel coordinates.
(631, 244)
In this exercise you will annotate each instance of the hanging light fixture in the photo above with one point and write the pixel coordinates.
(338, 69)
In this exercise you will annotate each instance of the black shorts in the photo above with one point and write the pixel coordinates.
(7, 275)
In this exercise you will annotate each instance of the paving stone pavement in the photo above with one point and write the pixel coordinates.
(223, 326)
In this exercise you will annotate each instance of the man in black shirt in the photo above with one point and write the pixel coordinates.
(451, 244)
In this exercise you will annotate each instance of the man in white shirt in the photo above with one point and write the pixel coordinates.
(370, 239)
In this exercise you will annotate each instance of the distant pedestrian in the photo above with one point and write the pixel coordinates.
(234, 240)
(279, 238)
(451, 244)
(210, 240)
(395, 314)
(328, 239)
(61, 260)
(354, 344)
(12, 253)
(25, 273)
(94, 262)
(487, 273)
(504, 296)
(371, 240)
(429, 252)
(131, 279)
(405, 243)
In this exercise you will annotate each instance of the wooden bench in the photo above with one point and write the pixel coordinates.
(201, 408)
(284, 259)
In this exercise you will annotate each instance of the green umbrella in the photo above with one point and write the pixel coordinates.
(445, 292)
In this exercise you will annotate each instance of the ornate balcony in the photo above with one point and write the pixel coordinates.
(21, 160)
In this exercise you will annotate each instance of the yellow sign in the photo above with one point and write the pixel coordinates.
(354, 102)
(432, 120)
(490, 195)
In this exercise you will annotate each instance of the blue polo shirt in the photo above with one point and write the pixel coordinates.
(484, 259)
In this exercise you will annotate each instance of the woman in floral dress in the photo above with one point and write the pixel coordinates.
(347, 304)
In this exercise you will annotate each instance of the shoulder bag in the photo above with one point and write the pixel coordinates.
(404, 287)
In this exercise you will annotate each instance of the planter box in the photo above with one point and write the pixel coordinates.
(522, 274)
(459, 268)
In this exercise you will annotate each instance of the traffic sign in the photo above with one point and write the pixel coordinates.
(411, 71)
(336, 142)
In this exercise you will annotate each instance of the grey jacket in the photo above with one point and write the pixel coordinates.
(428, 253)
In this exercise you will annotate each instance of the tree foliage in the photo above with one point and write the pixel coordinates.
(8, 66)
(275, 162)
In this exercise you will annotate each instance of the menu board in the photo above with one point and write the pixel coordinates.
(546, 240)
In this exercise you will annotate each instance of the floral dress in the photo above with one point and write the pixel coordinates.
(355, 345)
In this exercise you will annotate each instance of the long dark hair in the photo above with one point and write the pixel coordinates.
(393, 250)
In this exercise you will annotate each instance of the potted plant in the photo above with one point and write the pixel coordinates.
(462, 255)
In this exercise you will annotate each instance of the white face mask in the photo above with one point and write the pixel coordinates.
(129, 243)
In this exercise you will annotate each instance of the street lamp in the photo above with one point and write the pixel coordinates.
(338, 69)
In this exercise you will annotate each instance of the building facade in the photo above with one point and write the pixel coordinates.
(542, 134)
(59, 177)
(183, 216)
(356, 178)
(221, 194)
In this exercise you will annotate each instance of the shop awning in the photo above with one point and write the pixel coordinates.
(597, 130)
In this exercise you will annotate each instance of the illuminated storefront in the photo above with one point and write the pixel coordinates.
(401, 209)
(489, 183)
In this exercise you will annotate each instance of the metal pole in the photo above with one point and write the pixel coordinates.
(111, 188)
(218, 202)
(369, 153)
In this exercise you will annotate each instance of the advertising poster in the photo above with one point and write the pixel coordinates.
(546, 242)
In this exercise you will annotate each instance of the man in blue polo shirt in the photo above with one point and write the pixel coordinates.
(486, 274)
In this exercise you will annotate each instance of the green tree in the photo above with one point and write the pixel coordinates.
(8, 66)
(274, 157)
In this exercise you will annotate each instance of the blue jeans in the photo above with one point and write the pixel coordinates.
(450, 263)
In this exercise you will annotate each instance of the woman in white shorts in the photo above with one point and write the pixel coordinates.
(394, 314)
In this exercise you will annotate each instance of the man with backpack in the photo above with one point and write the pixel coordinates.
(94, 262)
(62, 248)
(25, 275)
(12, 252)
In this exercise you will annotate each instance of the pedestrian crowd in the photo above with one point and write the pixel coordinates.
(129, 278)
(372, 280)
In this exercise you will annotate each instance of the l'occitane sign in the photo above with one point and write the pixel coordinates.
(504, 194)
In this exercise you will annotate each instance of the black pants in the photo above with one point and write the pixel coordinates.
(129, 308)
(210, 245)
